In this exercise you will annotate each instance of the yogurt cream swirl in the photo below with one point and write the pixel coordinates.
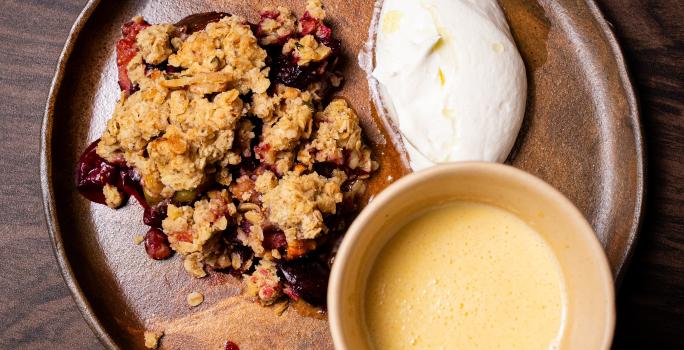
(452, 76)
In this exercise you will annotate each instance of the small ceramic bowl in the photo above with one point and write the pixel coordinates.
(590, 304)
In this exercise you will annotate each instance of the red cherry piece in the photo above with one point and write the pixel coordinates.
(126, 49)
(157, 245)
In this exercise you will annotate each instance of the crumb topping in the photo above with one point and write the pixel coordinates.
(297, 204)
(113, 197)
(306, 50)
(194, 265)
(239, 157)
(154, 43)
(195, 229)
(338, 133)
(152, 339)
(264, 283)
(137, 239)
(287, 118)
(194, 299)
(227, 46)
(315, 9)
(276, 26)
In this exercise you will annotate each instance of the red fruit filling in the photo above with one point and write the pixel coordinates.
(94, 172)
(285, 69)
(154, 214)
(308, 24)
(157, 244)
(274, 239)
(126, 49)
(260, 32)
(306, 278)
(231, 346)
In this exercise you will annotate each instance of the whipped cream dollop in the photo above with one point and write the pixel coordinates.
(452, 78)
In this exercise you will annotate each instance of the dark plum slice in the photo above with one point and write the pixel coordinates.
(199, 21)
(274, 239)
(285, 70)
(93, 173)
(307, 278)
(129, 183)
(328, 252)
(326, 168)
(154, 214)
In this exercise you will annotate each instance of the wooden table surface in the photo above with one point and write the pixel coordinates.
(36, 309)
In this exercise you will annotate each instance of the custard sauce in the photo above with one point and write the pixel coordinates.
(465, 276)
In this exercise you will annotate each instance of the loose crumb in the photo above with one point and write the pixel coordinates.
(280, 307)
(152, 339)
(195, 298)
(138, 239)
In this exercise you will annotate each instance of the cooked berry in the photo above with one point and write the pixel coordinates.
(155, 214)
(274, 239)
(94, 172)
(157, 244)
(231, 346)
(307, 277)
(126, 49)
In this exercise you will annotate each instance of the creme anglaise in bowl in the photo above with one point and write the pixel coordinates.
(471, 256)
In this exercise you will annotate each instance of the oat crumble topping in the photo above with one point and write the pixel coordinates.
(227, 46)
(112, 196)
(194, 299)
(137, 239)
(152, 339)
(193, 265)
(194, 229)
(264, 283)
(279, 23)
(298, 202)
(306, 50)
(315, 9)
(155, 43)
(228, 137)
(338, 133)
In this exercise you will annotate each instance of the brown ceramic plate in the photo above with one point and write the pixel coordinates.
(581, 134)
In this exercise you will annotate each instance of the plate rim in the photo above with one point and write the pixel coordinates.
(47, 187)
(640, 146)
(626, 81)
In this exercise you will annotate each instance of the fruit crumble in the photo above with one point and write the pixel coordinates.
(227, 134)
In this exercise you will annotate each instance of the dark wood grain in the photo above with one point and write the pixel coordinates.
(651, 301)
(36, 310)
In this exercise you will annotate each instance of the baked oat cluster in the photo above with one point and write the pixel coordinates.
(225, 132)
